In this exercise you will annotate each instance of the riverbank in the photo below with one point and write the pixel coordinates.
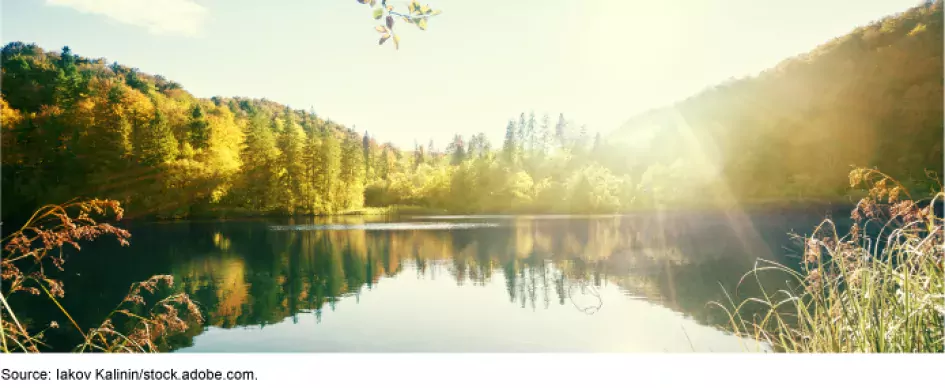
(871, 290)
(829, 208)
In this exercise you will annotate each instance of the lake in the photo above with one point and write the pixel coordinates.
(630, 283)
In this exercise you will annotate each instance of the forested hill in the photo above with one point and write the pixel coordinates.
(81, 127)
(872, 97)
(75, 126)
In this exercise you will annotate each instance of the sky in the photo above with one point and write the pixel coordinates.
(478, 64)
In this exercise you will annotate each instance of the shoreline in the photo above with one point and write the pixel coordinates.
(831, 209)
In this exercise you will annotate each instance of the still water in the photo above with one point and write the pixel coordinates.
(634, 283)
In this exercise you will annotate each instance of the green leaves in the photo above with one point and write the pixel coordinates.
(422, 10)
(417, 14)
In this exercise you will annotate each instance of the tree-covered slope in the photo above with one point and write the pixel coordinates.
(872, 97)
(79, 127)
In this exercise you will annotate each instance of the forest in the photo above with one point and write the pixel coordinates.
(82, 127)
(872, 97)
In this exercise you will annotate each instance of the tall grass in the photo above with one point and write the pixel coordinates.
(877, 288)
(35, 253)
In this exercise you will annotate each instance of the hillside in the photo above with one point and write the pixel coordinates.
(872, 97)
(79, 127)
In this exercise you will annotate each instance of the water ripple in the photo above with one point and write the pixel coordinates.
(386, 226)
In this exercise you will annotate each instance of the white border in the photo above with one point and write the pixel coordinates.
(516, 370)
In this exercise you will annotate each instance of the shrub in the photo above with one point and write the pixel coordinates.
(34, 254)
(877, 288)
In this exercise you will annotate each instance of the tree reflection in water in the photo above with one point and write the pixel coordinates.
(249, 273)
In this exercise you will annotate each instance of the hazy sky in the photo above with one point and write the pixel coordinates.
(479, 63)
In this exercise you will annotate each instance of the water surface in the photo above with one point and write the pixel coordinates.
(639, 283)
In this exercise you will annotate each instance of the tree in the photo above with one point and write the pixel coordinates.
(291, 143)
(351, 175)
(582, 140)
(366, 148)
(560, 130)
(110, 141)
(260, 161)
(156, 142)
(544, 134)
(385, 164)
(199, 128)
(521, 135)
(69, 83)
(419, 156)
(457, 151)
(313, 161)
(330, 174)
(134, 80)
(67, 60)
(479, 146)
(510, 146)
(530, 134)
